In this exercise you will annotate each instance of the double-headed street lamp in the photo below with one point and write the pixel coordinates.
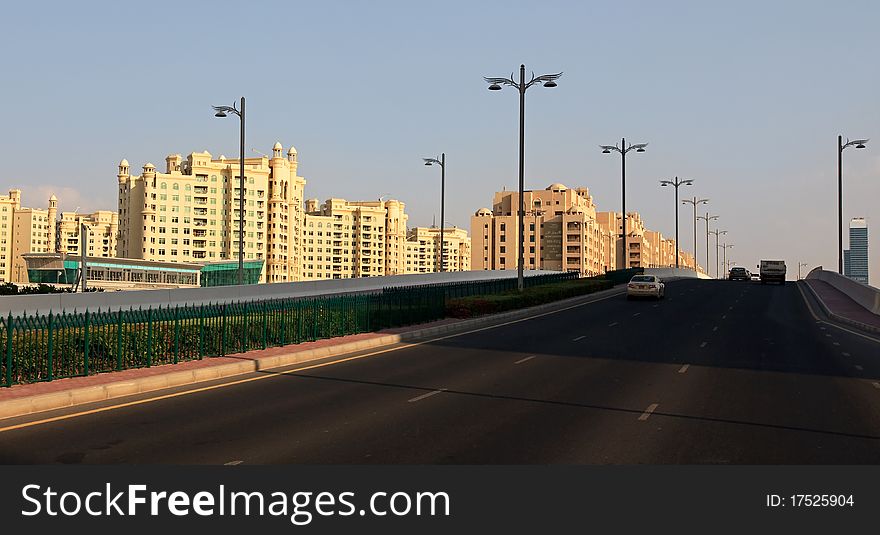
(800, 265)
(221, 111)
(859, 144)
(676, 182)
(717, 232)
(695, 201)
(707, 218)
(725, 247)
(547, 80)
(442, 163)
(622, 150)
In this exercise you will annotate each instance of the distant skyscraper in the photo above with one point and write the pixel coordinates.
(856, 261)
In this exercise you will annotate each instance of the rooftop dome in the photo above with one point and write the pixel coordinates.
(53, 198)
(483, 212)
(556, 186)
(123, 163)
(292, 150)
(149, 166)
(277, 146)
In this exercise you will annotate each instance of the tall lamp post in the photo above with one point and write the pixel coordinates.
(717, 233)
(442, 163)
(859, 144)
(800, 265)
(707, 218)
(547, 80)
(724, 248)
(221, 111)
(622, 150)
(676, 182)
(695, 201)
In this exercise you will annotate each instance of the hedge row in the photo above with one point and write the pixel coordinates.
(468, 307)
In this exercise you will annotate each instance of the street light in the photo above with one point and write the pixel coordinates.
(221, 111)
(717, 232)
(442, 163)
(622, 150)
(707, 218)
(800, 265)
(859, 144)
(547, 80)
(695, 201)
(676, 182)
(725, 247)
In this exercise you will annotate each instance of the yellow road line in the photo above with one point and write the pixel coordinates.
(278, 374)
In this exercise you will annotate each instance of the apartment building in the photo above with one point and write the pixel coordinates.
(423, 250)
(561, 232)
(190, 213)
(102, 229)
(346, 239)
(23, 230)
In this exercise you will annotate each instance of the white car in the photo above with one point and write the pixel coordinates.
(645, 286)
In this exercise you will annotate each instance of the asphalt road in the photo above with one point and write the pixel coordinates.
(718, 372)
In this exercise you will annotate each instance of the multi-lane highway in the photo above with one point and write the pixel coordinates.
(718, 372)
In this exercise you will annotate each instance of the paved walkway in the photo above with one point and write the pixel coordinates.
(33, 389)
(840, 304)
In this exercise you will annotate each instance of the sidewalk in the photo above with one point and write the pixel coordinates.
(840, 307)
(24, 399)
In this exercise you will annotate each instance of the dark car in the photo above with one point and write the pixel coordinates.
(739, 274)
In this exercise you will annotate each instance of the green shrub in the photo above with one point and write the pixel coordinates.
(467, 307)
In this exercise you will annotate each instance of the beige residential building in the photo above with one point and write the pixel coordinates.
(190, 213)
(23, 230)
(102, 228)
(422, 250)
(561, 232)
(345, 239)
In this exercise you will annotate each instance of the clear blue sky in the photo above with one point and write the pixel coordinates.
(746, 98)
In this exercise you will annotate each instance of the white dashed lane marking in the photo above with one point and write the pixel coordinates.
(423, 396)
(684, 368)
(647, 414)
(703, 344)
(232, 463)
(578, 338)
(612, 324)
(520, 361)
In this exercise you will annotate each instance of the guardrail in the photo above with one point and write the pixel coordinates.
(44, 347)
(863, 294)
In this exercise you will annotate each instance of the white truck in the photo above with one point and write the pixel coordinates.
(772, 271)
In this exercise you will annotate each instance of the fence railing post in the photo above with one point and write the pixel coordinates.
(86, 345)
(51, 347)
(285, 304)
(119, 329)
(176, 334)
(223, 330)
(201, 332)
(246, 335)
(265, 322)
(150, 337)
(9, 335)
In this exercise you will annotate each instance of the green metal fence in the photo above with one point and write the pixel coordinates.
(54, 346)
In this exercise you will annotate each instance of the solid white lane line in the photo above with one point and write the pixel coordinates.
(520, 361)
(703, 344)
(578, 338)
(232, 463)
(684, 368)
(423, 396)
(859, 368)
(612, 324)
(820, 321)
(651, 408)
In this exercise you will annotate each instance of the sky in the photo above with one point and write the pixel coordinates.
(745, 98)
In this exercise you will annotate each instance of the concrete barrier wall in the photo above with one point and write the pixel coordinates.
(42, 304)
(673, 273)
(867, 296)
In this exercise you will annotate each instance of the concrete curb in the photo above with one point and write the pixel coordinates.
(837, 317)
(89, 394)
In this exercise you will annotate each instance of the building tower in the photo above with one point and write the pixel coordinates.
(53, 219)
